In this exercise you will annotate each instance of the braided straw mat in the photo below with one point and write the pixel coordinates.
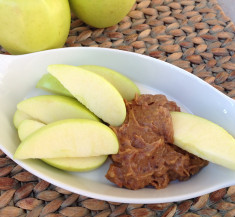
(195, 35)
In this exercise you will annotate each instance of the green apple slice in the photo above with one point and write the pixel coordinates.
(20, 116)
(93, 91)
(51, 84)
(69, 138)
(27, 127)
(204, 139)
(124, 85)
(50, 108)
(77, 164)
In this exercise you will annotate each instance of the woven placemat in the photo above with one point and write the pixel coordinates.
(193, 34)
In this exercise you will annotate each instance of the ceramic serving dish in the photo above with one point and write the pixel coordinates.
(19, 75)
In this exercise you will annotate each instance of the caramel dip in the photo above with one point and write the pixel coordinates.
(147, 155)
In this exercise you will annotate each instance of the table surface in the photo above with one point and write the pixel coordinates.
(195, 35)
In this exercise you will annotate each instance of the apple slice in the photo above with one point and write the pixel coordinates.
(124, 85)
(51, 84)
(69, 138)
(20, 116)
(77, 164)
(92, 90)
(27, 127)
(50, 108)
(204, 139)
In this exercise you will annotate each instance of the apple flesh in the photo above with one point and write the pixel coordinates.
(27, 127)
(204, 139)
(67, 139)
(124, 85)
(93, 91)
(51, 84)
(34, 25)
(51, 108)
(101, 13)
(20, 116)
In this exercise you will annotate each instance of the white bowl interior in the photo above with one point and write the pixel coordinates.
(19, 75)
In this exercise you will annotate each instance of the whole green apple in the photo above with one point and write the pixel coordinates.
(101, 13)
(33, 25)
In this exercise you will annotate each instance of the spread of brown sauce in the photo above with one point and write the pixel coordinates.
(147, 156)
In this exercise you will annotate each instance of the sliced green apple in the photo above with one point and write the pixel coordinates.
(51, 84)
(77, 164)
(20, 116)
(27, 127)
(69, 138)
(50, 108)
(204, 139)
(92, 90)
(124, 85)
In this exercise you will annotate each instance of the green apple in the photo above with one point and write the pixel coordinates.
(204, 139)
(77, 164)
(101, 13)
(124, 85)
(33, 25)
(69, 138)
(27, 127)
(93, 91)
(20, 116)
(51, 84)
(51, 108)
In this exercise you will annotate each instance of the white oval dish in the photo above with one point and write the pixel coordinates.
(19, 75)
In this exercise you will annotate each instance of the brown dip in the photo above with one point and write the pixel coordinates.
(147, 156)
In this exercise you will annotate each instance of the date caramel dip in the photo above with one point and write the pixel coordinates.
(147, 155)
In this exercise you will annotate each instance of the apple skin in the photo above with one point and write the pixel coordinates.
(51, 84)
(101, 13)
(77, 164)
(204, 139)
(33, 25)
